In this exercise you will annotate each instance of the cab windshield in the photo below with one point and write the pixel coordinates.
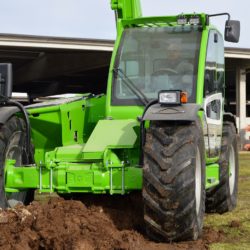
(155, 59)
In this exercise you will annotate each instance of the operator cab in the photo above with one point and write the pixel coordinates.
(152, 58)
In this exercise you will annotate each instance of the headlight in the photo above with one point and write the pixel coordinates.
(169, 97)
(172, 97)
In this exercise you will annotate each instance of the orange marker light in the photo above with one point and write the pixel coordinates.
(184, 98)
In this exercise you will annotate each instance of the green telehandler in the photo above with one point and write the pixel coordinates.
(160, 127)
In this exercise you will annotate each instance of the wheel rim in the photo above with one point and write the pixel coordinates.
(198, 180)
(231, 169)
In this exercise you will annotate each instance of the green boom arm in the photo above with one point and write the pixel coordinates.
(127, 9)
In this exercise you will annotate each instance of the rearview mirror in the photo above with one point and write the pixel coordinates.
(5, 80)
(232, 31)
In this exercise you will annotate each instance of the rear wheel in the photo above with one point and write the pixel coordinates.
(223, 197)
(13, 146)
(174, 181)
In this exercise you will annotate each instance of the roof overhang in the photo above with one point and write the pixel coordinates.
(41, 42)
(238, 53)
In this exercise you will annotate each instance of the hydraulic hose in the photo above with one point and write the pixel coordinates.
(142, 129)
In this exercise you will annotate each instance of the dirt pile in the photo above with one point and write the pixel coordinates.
(72, 224)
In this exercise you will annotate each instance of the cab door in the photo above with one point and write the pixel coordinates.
(214, 94)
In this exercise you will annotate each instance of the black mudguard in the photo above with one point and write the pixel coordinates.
(184, 112)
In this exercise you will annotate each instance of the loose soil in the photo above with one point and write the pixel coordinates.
(97, 222)
(72, 224)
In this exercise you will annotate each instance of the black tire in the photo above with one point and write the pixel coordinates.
(223, 197)
(13, 146)
(173, 209)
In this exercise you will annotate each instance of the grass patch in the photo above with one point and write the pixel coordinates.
(235, 225)
(229, 246)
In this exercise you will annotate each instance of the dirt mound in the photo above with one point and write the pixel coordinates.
(72, 224)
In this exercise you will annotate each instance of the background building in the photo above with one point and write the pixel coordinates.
(49, 65)
(237, 81)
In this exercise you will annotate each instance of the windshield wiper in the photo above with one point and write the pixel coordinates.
(144, 100)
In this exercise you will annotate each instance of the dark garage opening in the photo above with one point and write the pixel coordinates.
(42, 71)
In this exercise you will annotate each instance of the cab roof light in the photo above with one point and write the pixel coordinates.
(194, 20)
(181, 20)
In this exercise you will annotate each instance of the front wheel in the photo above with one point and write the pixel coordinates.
(13, 146)
(174, 181)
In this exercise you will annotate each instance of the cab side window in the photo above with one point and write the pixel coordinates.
(214, 69)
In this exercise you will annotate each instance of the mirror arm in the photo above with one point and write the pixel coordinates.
(219, 14)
